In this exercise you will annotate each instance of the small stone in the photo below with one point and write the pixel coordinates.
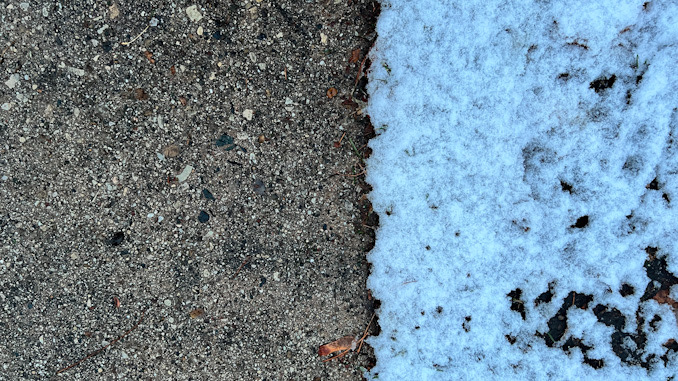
(207, 194)
(6, 106)
(259, 187)
(248, 114)
(200, 31)
(171, 151)
(117, 239)
(193, 13)
(76, 71)
(154, 22)
(224, 140)
(254, 13)
(12, 81)
(323, 38)
(114, 11)
(185, 173)
(203, 217)
(168, 302)
(276, 276)
(261, 139)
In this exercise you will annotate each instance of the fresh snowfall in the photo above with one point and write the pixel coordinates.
(526, 177)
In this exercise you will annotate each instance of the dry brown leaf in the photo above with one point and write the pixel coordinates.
(355, 56)
(196, 313)
(183, 101)
(173, 70)
(662, 297)
(349, 103)
(331, 92)
(346, 342)
(149, 56)
(116, 302)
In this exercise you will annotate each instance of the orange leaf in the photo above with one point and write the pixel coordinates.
(116, 302)
(148, 57)
(662, 297)
(173, 70)
(346, 342)
(355, 56)
(331, 92)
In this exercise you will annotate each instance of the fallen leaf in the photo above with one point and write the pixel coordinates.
(355, 56)
(149, 56)
(346, 342)
(183, 101)
(196, 313)
(140, 94)
(349, 103)
(173, 70)
(331, 92)
(662, 297)
(116, 302)
(337, 144)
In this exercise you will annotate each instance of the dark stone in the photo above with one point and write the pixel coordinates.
(117, 239)
(203, 217)
(224, 140)
(207, 194)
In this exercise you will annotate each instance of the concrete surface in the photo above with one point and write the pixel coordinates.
(115, 117)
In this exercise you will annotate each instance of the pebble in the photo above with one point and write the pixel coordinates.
(185, 173)
(114, 11)
(12, 81)
(259, 187)
(203, 217)
(207, 194)
(248, 114)
(168, 302)
(193, 13)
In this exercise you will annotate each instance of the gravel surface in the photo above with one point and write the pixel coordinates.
(181, 166)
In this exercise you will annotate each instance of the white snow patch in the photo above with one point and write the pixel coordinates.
(517, 141)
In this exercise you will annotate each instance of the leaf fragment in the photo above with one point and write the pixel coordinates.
(355, 56)
(196, 313)
(346, 342)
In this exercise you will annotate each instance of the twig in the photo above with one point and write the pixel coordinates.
(362, 339)
(241, 266)
(355, 149)
(347, 175)
(135, 38)
(357, 77)
(342, 138)
(89, 356)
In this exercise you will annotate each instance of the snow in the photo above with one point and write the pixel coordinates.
(523, 146)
